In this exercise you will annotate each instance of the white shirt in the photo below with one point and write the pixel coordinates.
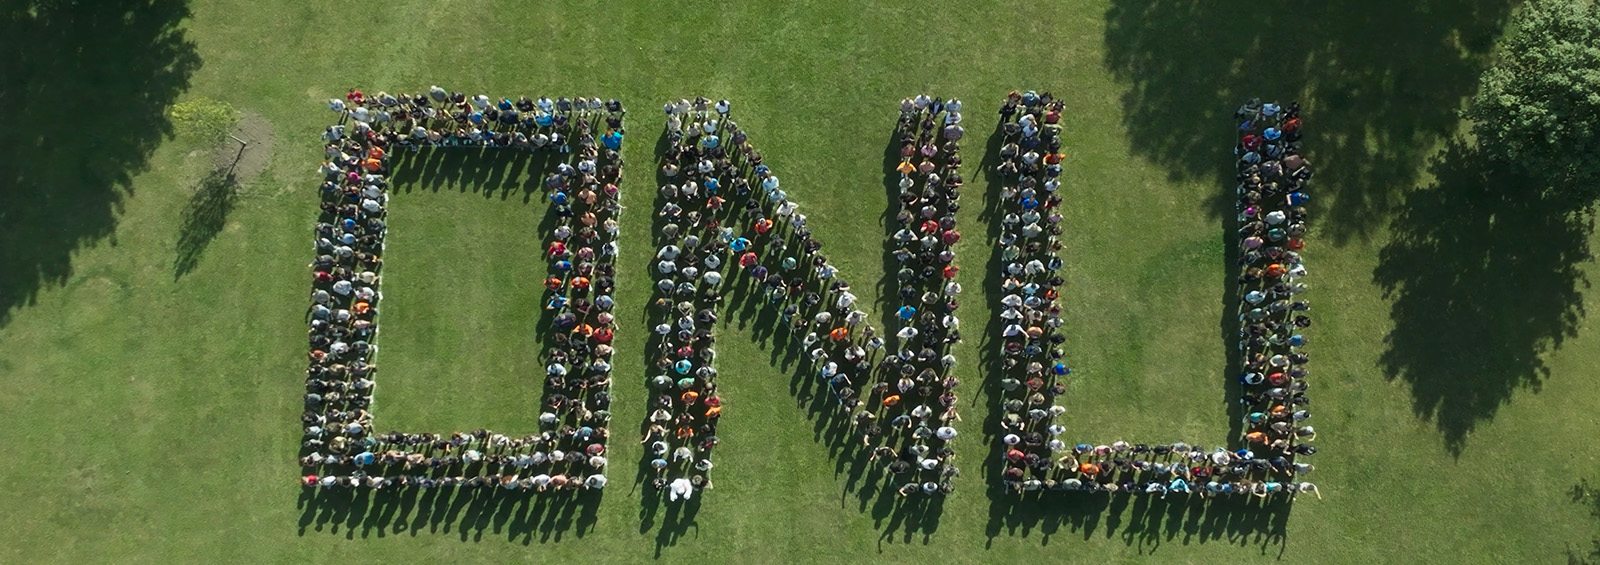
(681, 488)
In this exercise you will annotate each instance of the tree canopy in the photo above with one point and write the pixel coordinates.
(1538, 105)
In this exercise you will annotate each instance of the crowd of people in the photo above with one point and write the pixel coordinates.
(724, 210)
(911, 411)
(697, 172)
(1272, 176)
(1029, 169)
(569, 452)
(441, 118)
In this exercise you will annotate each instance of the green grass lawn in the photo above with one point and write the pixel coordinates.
(462, 311)
(151, 366)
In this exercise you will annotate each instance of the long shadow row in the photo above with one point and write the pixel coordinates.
(1150, 493)
(721, 208)
(913, 407)
(357, 476)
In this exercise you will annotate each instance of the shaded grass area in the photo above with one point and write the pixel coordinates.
(1483, 267)
(1382, 80)
(1484, 270)
(85, 95)
(1584, 494)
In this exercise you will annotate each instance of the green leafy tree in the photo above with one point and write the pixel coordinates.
(1538, 106)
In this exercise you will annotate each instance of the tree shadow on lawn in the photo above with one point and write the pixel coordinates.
(204, 217)
(86, 90)
(1585, 494)
(470, 513)
(1383, 80)
(1483, 272)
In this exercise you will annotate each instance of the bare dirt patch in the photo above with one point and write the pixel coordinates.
(245, 164)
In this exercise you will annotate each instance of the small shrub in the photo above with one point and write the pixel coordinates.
(203, 119)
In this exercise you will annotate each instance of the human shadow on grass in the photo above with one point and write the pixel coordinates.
(1483, 271)
(831, 425)
(679, 514)
(1383, 79)
(470, 513)
(990, 355)
(678, 519)
(1145, 522)
(655, 347)
(1140, 521)
(891, 513)
(85, 96)
(487, 172)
